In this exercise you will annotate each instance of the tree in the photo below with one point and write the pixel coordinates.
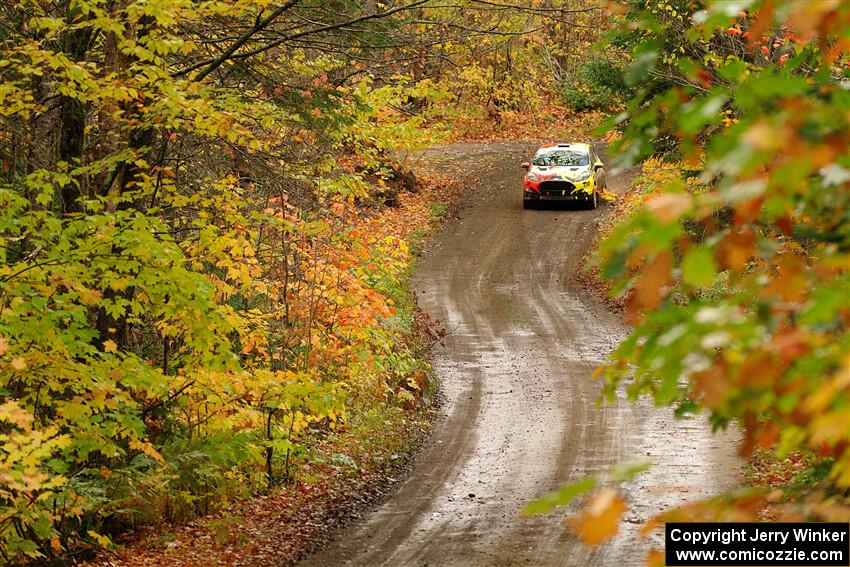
(738, 283)
(191, 285)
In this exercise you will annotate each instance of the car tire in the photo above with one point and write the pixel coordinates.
(527, 204)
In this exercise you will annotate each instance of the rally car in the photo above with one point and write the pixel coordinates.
(564, 172)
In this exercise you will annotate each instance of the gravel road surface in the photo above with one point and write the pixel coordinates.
(521, 417)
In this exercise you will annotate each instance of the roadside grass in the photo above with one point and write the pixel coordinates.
(438, 211)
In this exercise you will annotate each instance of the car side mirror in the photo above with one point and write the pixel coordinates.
(525, 165)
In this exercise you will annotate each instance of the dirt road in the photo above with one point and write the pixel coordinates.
(520, 414)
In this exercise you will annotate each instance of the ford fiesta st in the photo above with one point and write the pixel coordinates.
(564, 172)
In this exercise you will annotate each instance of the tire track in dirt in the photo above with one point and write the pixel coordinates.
(520, 412)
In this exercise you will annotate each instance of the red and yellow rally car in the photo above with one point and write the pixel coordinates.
(564, 172)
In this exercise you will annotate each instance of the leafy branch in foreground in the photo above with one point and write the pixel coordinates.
(600, 518)
(738, 284)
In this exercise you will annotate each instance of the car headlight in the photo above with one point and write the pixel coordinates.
(532, 177)
(582, 176)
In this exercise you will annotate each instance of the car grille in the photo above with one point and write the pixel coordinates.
(556, 188)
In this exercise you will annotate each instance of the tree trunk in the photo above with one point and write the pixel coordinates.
(110, 327)
(72, 118)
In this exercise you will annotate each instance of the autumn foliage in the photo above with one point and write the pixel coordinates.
(200, 281)
(733, 260)
(730, 254)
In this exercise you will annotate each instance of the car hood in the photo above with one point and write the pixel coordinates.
(560, 172)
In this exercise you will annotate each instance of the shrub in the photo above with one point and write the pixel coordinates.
(597, 84)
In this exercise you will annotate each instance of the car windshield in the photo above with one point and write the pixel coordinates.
(571, 158)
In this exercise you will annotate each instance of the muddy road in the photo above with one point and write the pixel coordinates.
(520, 413)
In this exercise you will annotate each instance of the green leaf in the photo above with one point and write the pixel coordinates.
(626, 471)
(698, 267)
(701, 112)
(560, 497)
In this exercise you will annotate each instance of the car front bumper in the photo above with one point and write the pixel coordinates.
(559, 190)
(575, 196)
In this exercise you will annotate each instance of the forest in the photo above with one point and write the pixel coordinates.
(209, 222)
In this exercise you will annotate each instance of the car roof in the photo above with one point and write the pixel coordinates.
(578, 146)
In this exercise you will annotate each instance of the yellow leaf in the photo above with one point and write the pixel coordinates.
(11, 412)
(824, 396)
(110, 346)
(19, 363)
(832, 428)
(4, 346)
(101, 540)
(762, 136)
(89, 296)
(147, 449)
(608, 196)
(600, 520)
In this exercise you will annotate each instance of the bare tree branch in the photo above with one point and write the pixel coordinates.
(230, 53)
(259, 25)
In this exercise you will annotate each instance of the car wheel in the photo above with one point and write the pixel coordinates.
(527, 204)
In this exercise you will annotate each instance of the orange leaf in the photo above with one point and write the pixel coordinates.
(757, 370)
(736, 248)
(649, 286)
(762, 22)
(655, 558)
(785, 224)
(712, 384)
(768, 436)
(809, 17)
(669, 207)
(650, 526)
(751, 429)
(600, 519)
